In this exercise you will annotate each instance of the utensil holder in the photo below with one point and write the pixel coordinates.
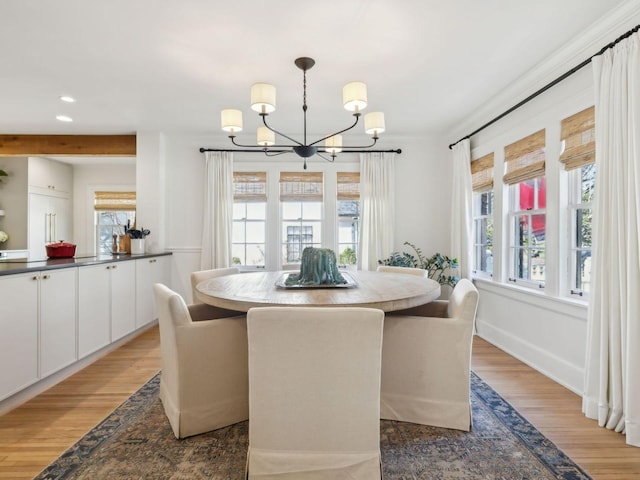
(137, 246)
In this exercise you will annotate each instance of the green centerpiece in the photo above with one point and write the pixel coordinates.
(318, 267)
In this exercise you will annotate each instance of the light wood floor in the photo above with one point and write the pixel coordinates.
(36, 433)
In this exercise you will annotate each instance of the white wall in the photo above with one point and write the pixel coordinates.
(88, 179)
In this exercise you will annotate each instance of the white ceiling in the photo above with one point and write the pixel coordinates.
(171, 66)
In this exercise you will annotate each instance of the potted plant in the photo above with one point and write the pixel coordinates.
(440, 268)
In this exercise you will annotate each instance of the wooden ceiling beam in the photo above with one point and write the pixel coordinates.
(99, 145)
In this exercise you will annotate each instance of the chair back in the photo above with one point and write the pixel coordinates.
(314, 392)
(420, 272)
(172, 312)
(463, 301)
(202, 275)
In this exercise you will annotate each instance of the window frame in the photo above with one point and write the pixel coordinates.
(478, 219)
(575, 188)
(512, 249)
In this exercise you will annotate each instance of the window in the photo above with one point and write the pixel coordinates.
(525, 163)
(114, 212)
(578, 157)
(249, 218)
(301, 198)
(348, 196)
(482, 179)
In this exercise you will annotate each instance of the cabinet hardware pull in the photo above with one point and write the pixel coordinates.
(35, 277)
(46, 276)
(115, 266)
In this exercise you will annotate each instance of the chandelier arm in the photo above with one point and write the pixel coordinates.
(357, 115)
(347, 147)
(275, 153)
(264, 120)
(330, 160)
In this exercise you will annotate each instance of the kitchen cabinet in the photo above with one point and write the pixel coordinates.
(94, 304)
(57, 319)
(106, 305)
(123, 299)
(19, 338)
(38, 322)
(50, 176)
(149, 271)
(49, 221)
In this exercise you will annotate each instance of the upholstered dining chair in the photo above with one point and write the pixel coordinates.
(408, 270)
(202, 275)
(426, 361)
(204, 379)
(314, 389)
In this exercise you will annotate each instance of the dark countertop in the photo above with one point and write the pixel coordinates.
(22, 265)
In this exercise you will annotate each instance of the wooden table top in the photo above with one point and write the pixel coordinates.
(383, 290)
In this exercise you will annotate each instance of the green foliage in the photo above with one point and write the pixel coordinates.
(348, 257)
(439, 267)
(3, 174)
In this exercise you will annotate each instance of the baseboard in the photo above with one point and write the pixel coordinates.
(557, 369)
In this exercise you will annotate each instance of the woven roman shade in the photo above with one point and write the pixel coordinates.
(579, 137)
(301, 187)
(525, 158)
(115, 201)
(348, 185)
(250, 186)
(482, 173)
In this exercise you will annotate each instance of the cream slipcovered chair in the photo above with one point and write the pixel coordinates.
(204, 380)
(314, 395)
(426, 361)
(408, 270)
(202, 275)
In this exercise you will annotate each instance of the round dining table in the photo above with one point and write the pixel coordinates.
(387, 291)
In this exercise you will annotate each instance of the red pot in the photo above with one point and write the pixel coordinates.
(60, 250)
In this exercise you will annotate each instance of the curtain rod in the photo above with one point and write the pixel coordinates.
(202, 150)
(549, 85)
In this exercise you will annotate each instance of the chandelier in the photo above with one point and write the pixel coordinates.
(263, 101)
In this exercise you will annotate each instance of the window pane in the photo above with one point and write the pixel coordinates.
(316, 231)
(255, 232)
(237, 254)
(347, 255)
(255, 254)
(312, 210)
(583, 270)
(537, 265)
(239, 210)
(541, 185)
(257, 211)
(521, 231)
(238, 233)
(108, 218)
(588, 173)
(526, 195)
(583, 227)
(538, 225)
(291, 210)
(521, 262)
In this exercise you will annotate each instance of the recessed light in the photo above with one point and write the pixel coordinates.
(67, 98)
(64, 118)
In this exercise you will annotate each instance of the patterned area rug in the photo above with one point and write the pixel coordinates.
(136, 442)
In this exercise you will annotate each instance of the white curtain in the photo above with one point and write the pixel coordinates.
(461, 205)
(612, 372)
(377, 201)
(218, 211)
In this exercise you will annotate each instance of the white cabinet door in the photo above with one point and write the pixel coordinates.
(49, 221)
(50, 175)
(19, 337)
(94, 302)
(123, 299)
(149, 271)
(57, 319)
